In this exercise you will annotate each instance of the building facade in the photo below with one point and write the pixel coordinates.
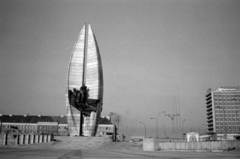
(223, 110)
(34, 124)
(56, 125)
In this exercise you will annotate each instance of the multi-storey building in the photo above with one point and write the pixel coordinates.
(223, 110)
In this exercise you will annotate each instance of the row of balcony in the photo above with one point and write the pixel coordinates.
(209, 97)
(208, 101)
(208, 94)
(210, 120)
(209, 105)
(209, 113)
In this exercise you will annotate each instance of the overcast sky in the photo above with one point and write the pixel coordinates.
(151, 51)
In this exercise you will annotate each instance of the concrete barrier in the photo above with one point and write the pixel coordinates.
(32, 138)
(49, 138)
(44, 138)
(21, 139)
(26, 139)
(196, 146)
(40, 138)
(5, 137)
(150, 144)
(36, 139)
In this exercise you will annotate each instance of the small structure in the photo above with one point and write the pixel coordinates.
(150, 144)
(106, 128)
(137, 138)
(192, 136)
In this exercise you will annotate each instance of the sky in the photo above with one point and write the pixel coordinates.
(152, 52)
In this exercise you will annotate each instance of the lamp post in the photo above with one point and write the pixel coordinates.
(157, 121)
(182, 125)
(144, 129)
(156, 127)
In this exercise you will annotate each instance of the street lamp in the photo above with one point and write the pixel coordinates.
(157, 121)
(182, 125)
(156, 126)
(144, 129)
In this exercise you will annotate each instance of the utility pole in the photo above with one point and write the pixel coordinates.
(156, 127)
(157, 122)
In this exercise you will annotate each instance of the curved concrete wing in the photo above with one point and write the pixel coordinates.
(84, 92)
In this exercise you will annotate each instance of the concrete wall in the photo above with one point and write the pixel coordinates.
(214, 145)
(21, 139)
(151, 144)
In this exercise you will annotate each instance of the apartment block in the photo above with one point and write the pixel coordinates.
(223, 110)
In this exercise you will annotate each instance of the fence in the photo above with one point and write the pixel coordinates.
(151, 144)
(211, 145)
(21, 139)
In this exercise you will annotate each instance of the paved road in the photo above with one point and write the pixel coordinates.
(23, 153)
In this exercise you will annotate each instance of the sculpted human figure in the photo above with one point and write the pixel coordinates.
(79, 99)
(84, 94)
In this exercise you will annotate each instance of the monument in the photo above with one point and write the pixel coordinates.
(84, 92)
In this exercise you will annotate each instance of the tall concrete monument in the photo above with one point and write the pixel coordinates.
(84, 92)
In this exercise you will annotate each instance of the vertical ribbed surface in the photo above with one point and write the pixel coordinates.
(93, 77)
(76, 64)
(94, 68)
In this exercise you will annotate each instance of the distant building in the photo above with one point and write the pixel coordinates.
(223, 108)
(56, 125)
(33, 124)
(106, 128)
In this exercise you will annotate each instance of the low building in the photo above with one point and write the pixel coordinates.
(106, 128)
(56, 125)
(192, 136)
(33, 124)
